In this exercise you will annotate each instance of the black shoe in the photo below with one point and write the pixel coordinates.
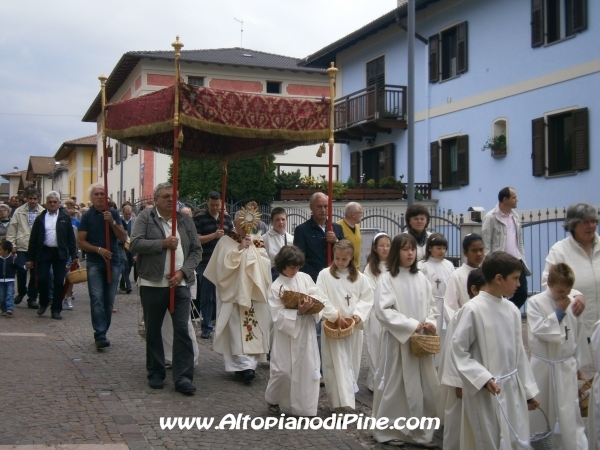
(185, 387)
(56, 316)
(19, 299)
(155, 382)
(249, 375)
(102, 343)
(128, 291)
(205, 335)
(32, 305)
(41, 310)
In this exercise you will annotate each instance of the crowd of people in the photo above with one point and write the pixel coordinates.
(235, 273)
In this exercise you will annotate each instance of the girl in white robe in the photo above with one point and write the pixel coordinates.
(456, 294)
(450, 382)
(594, 403)
(376, 265)
(347, 293)
(295, 362)
(437, 270)
(558, 344)
(406, 385)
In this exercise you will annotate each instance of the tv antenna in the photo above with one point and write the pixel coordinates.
(241, 31)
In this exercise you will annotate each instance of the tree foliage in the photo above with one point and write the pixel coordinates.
(250, 179)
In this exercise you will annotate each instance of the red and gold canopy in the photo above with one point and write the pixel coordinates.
(217, 124)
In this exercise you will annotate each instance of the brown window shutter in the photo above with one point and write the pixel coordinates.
(538, 129)
(462, 158)
(371, 73)
(462, 48)
(580, 140)
(434, 148)
(579, 15)
(434, 58)
(355, 166)
(537, 23)
(389, 151)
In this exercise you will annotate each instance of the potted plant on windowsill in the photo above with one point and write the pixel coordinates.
(497, 144)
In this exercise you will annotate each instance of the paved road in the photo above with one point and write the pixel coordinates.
(57, 389)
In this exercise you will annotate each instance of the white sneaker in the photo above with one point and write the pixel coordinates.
(67, 303)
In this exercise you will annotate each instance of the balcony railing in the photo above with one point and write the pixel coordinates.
(370, 111)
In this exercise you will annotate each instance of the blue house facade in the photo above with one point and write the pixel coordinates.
(518, 76)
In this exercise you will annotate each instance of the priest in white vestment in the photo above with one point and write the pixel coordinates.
(558, 344)
(240, 269)
(488, 344)
(341, 357)
(295, 361)
(405, 385)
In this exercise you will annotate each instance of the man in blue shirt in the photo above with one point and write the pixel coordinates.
(92, 239)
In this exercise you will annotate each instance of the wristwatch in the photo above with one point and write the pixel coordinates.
(114, 222)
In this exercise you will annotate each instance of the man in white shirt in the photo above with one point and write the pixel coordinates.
(501, 230)
(277, 237)
(153, 243)
(51, 242)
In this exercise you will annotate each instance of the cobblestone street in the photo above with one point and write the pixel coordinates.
(57, 389)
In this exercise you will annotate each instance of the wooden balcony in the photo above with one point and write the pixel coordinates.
(375, 109)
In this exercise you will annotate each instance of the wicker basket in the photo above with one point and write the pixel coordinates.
(290, 300)
(584, 388)
(77, 276)
(333, 332)
(542, 440)
(424, 344)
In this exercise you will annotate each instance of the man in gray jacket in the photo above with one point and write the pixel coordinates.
(153, 243)
(501, 230)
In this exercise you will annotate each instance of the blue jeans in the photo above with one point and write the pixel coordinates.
(207, 293)
(7, 296)
(102, 295)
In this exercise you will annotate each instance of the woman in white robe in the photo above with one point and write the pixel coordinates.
(558, 348)
(406, 385)
(353, 299)
(295, 362)
(380, 250)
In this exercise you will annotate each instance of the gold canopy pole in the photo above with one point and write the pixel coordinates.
(103, 79)
(332, 71)
(177, 140)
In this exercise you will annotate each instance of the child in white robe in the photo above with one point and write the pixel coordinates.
(295, 362)
(376, 265)
(347, 293)
(437, 270)
(594, 402)
(558, 343)
(406, 385)
(451, 385)
(456, 294)
(487, 349)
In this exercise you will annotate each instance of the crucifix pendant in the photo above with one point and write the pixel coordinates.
(437, 283)
(566, 333)
(347, 297)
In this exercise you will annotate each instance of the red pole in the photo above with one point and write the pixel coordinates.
(331, 71)
(103, 79)
(223, 190)
(177, 141)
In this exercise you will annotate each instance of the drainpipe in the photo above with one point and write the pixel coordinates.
(410, 104)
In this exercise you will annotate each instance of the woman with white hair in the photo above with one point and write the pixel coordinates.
(581, 251)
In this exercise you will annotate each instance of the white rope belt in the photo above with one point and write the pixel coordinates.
(522, 444)
(553, 369)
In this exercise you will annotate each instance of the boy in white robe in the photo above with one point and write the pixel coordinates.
(594, 402)
(456, 294)
(295, 362)
(240, 269)
(450, 383)
(405, 385)
(346, 292)
(558, 343)
(487, 348)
